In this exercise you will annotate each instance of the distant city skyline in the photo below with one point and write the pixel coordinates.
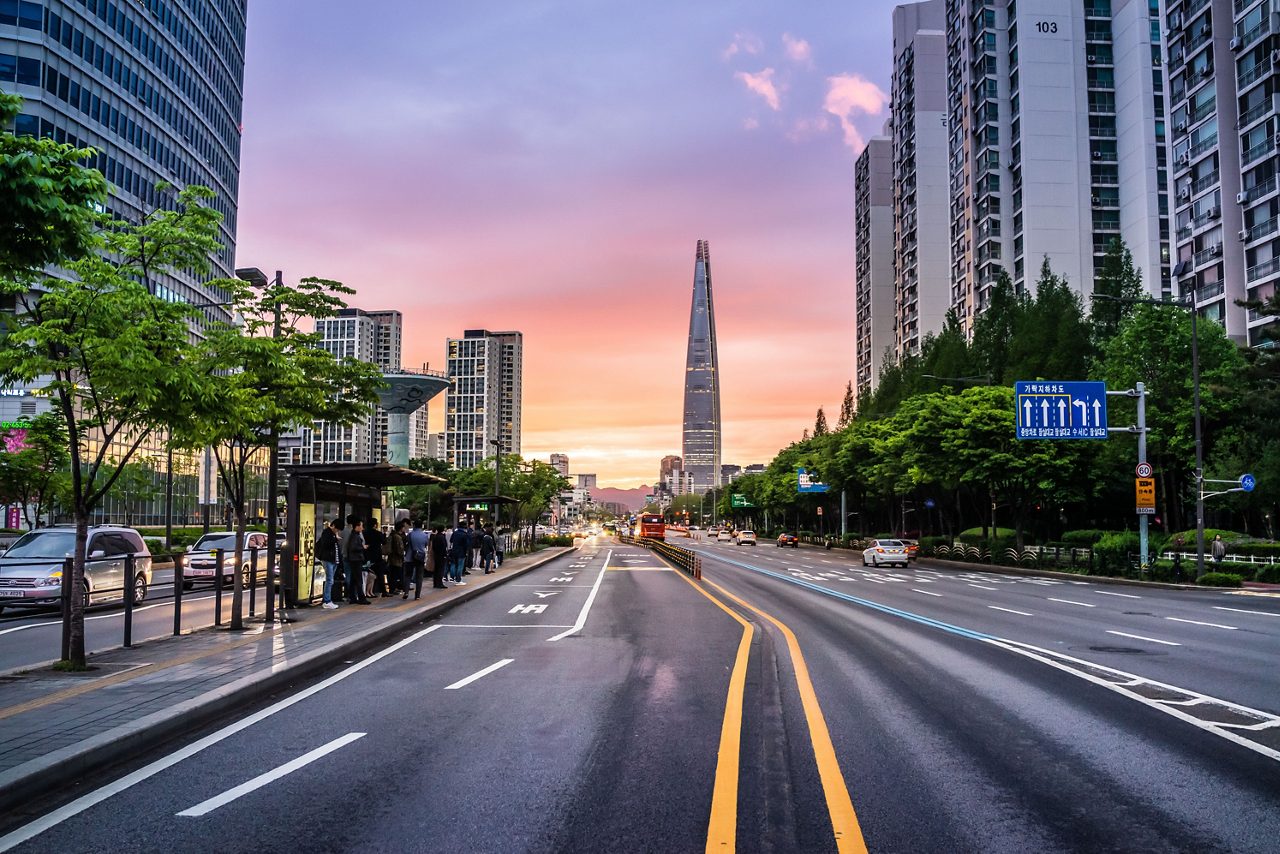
(501, 170)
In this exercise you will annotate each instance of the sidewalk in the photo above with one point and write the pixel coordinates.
(55, 728)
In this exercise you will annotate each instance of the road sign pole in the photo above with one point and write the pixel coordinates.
(1142, 458)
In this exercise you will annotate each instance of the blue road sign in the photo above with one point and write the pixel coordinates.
(1247, 483)
(1061, 410)
(806, 483)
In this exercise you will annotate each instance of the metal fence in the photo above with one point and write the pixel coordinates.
(678, 557)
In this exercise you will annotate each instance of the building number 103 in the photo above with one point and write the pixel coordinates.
(1046, 26)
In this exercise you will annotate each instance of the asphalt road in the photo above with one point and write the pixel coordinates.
(580, 708)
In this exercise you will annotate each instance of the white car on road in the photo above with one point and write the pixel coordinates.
(746, 538)
(882, 552)
(724, 536)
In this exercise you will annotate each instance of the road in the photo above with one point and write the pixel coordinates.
(31, 637)
(607, 703)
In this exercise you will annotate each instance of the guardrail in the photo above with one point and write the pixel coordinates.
(681, 558)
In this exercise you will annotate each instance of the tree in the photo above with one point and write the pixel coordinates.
(33, 466)
(135, 488)
(48, 197)
(424, 502)
(115, 359)
(1118, 283)
(848, 407)
(994, 328)
(820, 423)
(271, 378)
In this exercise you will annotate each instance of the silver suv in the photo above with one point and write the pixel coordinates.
(31, 570)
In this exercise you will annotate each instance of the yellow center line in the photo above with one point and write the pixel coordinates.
(722, 829)
(844, 821)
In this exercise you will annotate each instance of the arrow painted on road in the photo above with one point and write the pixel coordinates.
(1097, 414)
(1044, 413)
(1084, 412)
(1026, 407)
(542, 595)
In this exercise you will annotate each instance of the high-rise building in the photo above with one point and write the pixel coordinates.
(154, 88)
(701, 439)
(484, 398)
(586, 481)
(873, 298)
(921, 258)
(1055, 115)
(419, 434)
(1224, 131)
(669, 464)
(560, 462)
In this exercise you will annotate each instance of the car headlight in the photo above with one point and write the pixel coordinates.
(54, 580)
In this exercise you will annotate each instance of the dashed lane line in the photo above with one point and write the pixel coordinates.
(925, 592)
(1198, 623)
(1071, 602)
(1247, 611)
(1010, 611)
(1142, 637)
(1109, 593)
(982, 587)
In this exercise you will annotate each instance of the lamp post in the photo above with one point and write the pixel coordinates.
(497, 481)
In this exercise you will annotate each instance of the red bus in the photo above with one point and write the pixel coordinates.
(651, 526)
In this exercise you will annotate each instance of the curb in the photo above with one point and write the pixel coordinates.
(69, 765)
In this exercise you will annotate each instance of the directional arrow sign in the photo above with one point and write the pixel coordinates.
(1059, 409)
(542, 595)
(1247, 483)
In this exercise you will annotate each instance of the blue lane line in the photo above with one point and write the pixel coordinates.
(866, 603)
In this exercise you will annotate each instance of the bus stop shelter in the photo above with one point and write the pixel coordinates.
(480, 509)
(324, 491)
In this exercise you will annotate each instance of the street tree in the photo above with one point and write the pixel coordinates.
(49, 198)
(848, 407)
(33, 466)
(272, 377)
(1119, 283)
(114, 358)
(820, 423)
(135, 488)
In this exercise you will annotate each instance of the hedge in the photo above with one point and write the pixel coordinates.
(1084, 536)
(1221, 579)
(973, 536)
(1269, 574)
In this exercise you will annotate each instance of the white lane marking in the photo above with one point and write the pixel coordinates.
(1246, 611)
(586, 606)
(925, 592)
(1143, 637)
(1198, 623)
(500, 626)
(479, 674)
(1109, 593)
(1010, 610)
(261, 780)
(543, 585)
(1071, 602)
(982, 587)
(79, 805)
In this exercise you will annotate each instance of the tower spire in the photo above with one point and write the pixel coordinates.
(701, 438)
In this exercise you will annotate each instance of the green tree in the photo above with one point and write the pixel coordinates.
(115, 359)
(48, 197)
(33, 466)
(994, 329)
(426, 502)
(271, 378)
(1050, 337)
(135, 488)
(848, 407)
(820, 423)
(1115, 285)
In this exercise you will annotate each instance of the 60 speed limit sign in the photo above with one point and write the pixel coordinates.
(1144, 470)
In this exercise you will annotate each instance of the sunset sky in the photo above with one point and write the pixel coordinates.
(549, 166)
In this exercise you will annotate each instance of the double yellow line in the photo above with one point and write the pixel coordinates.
(723, 827)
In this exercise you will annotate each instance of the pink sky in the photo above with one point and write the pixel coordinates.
(551, 170)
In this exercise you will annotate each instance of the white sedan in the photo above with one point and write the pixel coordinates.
(746, 538)
(882, 552)
(724, 536)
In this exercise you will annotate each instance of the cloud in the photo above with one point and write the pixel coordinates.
(742, 43)
(750, 123)
(762, 84)
(803, 129)
(798, 50)
(850, 95)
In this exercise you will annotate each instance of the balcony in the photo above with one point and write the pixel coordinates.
(1206, 256)
(1263, 270)
(1261, 230)
(1202, 184)
(1253, 75)
(1259, 190)
(1208, 292)
(1251, 115)
(1258, 150)
(1207, 144)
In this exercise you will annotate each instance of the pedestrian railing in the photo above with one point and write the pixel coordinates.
(678, 557)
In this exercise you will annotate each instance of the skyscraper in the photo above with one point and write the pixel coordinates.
(873, 298)
(560, 462)
(484, 398)
(701, 440)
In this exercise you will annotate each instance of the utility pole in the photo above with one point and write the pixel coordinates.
(1195, 393)
(1142, 458)
(273, 474)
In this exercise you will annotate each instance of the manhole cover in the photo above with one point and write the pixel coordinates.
(1121, 650)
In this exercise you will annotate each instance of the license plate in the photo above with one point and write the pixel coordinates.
(13, 594)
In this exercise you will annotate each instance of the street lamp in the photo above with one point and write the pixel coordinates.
(497, 481)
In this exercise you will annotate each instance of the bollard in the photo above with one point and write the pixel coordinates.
(130, 565)
(217, 587)
(253, 580)
(179, 567)
(66, 609)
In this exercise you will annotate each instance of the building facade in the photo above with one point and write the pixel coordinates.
(701, 436)
(1223, 57)
(1055, 114)
(921, 251)
(873, 299)
(560, 462)
(483, 406)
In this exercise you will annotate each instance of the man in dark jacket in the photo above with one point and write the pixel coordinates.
(416, 561)
(396, 546)
(459, 551)
(353, 556)
(375, 546)
(439, 546)
(488, 548)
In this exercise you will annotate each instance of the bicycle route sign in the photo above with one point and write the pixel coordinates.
(1049, 409)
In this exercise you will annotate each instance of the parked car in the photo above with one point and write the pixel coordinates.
(788, 540)
(724, 536)
(746, 538)
(200, 561)
(31, 570)
(913, 548)
(882, 552)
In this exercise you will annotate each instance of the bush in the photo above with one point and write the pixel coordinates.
(1084, 537)
(1189, 537)
(1112, 551)
(1269, 574)
(1221, 579)
(973, 536)
(1257, 549)
(556, 540)
(928, 544)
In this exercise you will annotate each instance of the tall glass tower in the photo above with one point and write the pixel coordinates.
(701, 441)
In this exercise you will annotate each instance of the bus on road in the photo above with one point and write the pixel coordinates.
(651, 526)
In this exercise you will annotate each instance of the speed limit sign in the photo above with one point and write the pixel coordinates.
(1144, 470)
